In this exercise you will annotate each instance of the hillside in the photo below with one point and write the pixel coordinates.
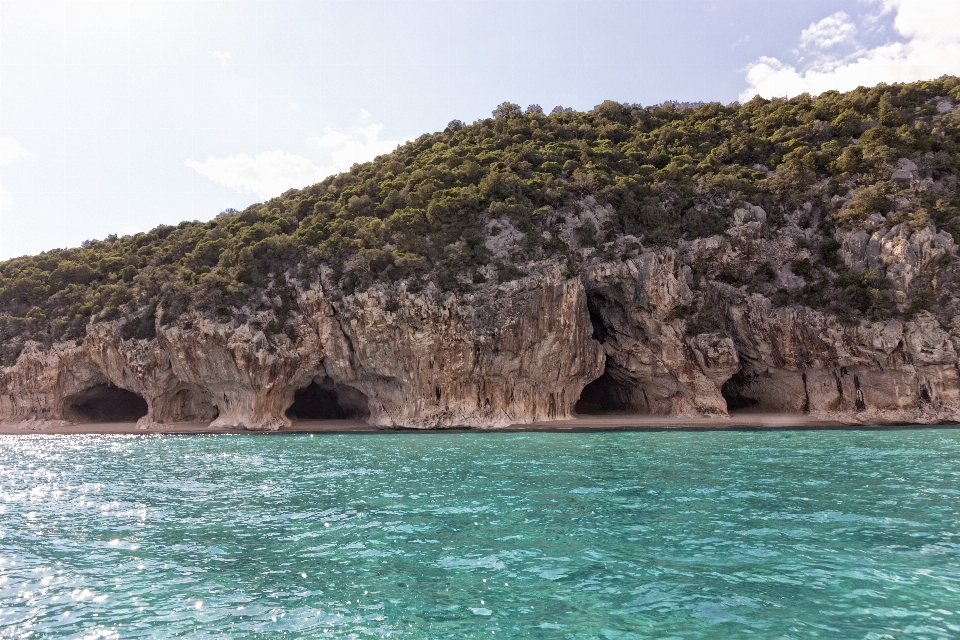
(844, 205)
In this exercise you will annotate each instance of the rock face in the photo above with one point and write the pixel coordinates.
(618, 336)
(520, 355)
(653, 367)
(797, 360)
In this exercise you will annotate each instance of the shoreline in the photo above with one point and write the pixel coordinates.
(618, 422)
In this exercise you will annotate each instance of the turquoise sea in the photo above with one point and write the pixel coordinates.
(671, 534)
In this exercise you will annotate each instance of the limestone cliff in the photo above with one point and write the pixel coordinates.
(521, 354)
(620, 336)
(788, 255)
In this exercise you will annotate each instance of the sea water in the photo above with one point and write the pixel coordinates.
(786, 534)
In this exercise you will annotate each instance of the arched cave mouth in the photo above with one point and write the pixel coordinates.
(106, 403)
(604, 395)
(188, 405)
(328, 401)
(735, 391)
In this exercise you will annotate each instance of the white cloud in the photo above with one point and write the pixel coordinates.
(6, 200)
(222, 56)
(930, 28)
(362, 144)
(294, 106)
(11, 151)
(266, 175)
(832, 30)
(271, 173)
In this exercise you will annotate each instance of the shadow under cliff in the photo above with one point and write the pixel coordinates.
(105, 403)
(604, 395)
(328, 401)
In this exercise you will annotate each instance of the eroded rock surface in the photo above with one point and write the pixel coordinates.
(658, 332)
(422, 360)
(798, 360)
(660, 370)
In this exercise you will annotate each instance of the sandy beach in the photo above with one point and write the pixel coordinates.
(582, 423)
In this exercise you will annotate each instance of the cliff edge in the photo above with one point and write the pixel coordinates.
(618, 338)
(785, 256)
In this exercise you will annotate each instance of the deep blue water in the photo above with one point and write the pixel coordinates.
(795, 534)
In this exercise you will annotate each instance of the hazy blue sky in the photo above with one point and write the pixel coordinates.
(118, 116)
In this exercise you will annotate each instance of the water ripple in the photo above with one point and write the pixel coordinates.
(566, 535)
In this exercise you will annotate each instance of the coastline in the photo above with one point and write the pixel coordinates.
(617, 422)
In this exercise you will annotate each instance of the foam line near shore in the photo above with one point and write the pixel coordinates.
(586, 423)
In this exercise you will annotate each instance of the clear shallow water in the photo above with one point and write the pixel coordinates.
(846, 534)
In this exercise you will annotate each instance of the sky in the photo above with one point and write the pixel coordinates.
(119, 116)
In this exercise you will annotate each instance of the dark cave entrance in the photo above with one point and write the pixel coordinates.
(328, 401)
(735, 390)
(606, 394)
(106, 403)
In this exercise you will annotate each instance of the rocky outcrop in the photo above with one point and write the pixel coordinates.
(619, 336)
(797, 360)
(760, 356)
(523, 352)
(520, 355)
(657, 368)
(897, 254)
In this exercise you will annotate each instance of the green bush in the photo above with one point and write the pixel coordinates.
(421, 213)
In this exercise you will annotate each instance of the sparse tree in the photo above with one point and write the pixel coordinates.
(508, 110)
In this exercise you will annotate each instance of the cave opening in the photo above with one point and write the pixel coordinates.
(106, 403)
(328, 401)
(604, 395)
(188, 405)
(735, 392)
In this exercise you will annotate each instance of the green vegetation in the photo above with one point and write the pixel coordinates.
(424, 212)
